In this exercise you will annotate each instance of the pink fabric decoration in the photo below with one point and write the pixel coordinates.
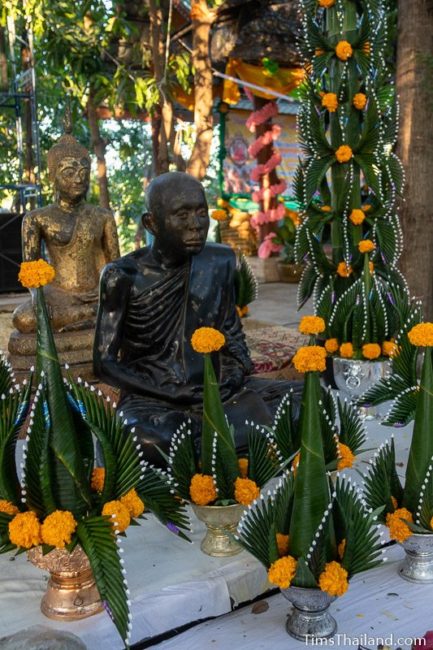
(263, 115)
(266, 168)
(267, 247)
(275, 214)
(273, 190)
(264, 140)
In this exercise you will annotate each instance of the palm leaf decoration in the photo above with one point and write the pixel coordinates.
(182, 460)
(381, 482)
(264, 459)
(6, 375)
(352, 430)
(99, 542)
(424, 512)
(284, 431)
(246, 286)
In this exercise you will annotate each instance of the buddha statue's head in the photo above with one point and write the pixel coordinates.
(177, 215)
(69, 167)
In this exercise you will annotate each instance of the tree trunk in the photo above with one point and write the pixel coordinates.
(267, 179)
(98, 146)
(3, 60)
(415, 44)
(202, 19)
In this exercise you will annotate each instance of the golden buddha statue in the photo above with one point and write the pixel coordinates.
(78, 239)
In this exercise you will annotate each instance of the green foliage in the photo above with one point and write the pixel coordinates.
(263, 459)
(381, 481)
(246, 286)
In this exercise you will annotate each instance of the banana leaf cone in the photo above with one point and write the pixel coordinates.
(421, 449)
(311, 489)
(71, 470)
(214, 420)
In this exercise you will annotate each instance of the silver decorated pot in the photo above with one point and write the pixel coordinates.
(309, 618)
(354, 377)
(418, 563)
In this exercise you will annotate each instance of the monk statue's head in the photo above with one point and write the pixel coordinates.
(69, 166)
(177, 215)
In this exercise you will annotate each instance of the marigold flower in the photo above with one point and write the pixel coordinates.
(311, 325)
(326, 3)
(57, 528)
(341, 548)
(359, 101)
(295, 462)
(371, 350)
(119, 513)
(243, 467)
(344, 270)
(394, 502)
(326, 208)
(202, 489)
(282, 544)
(366, 246)
(222, 203)
(319, 51)
(25, 530)
(346, 350)
(345, 456)
(333, 580)
(310, 358)
(246, 491)
(282, 572)
(371, 267)
(389, 349)
(98, 479)
(357, 217)
(398, 529)
(133, 503)
(36, 274)
(366, 207)
(242, 311)
(8, 507)
(431, 523)
(219, 215)
(421, 335)
(343, 50)
(330, 102)
(344, 153)
(207, 339)
(331, 345)
(293, 216)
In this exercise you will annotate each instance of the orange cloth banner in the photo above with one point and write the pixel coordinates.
(283, 81)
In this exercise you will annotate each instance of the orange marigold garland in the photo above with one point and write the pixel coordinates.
(330, 102)
(207, 339)
(36, 274)
(357, 217)
(246, 491)
(344, 153)
(58, 528)
(8, 507)
(119, 513)
(25, 530)
(345, 456)
(346, 350)
(366, 246)
(202, 489)
(311, 325)
(331, 346)
(389, 348)
(421, 335)
(333, 580)
(343, 50)
(133, 503)
(371, 351)
(359, 101)
(344, 270)
(282, 572)
(398, 529)
(311, 358)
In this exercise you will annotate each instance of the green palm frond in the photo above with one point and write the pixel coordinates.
(283, 503)
(5, 545)
(329, 429)
(13, 410)
(156, 490)
(6, 375)
(284, 431)
(403, 408)
(352, 430)
(381, 481)
(123, 467)
(424, 511)
(369, 166)
(343, 310)
(363, 549)
(181, 460)
(306, 285)
(222, 474)
(99, 542)
(320, 551)
(246, 286)
(315, 173)
(264, 458)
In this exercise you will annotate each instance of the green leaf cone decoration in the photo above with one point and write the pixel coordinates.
(69, 468)
(311, 491)
(421, 449)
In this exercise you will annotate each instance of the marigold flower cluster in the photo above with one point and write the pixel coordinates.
(312, 325)
(366, 246)
(343, 50)
(357, 216)
(359, 101)
(98, 479)
(119, 513)
(36, 274)
(133, 503)
(207, 339)
(371, 351)
(282, 572)
(310, 358)
(326, 3)
(333, 580)
(242, 311)
(282, 544)
(344, 270)
(331, 346)
(344, 153)
(421, 335)
(219, 215)
(326, 208)
(246, 491)
(398, 529)
(330, 102)
(25, 530)
(389, 349)
(202, 489)
(58, 528)
(8, 507)
(346, 350)
(345, 456)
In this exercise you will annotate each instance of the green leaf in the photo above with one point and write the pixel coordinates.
(98, 540)
(264, 460)
(246, 286)
(13, 410)
(181, 460)
(381, 480)
(6, 375)
(284, 429)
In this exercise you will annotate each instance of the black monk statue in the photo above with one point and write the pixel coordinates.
(151, 302)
